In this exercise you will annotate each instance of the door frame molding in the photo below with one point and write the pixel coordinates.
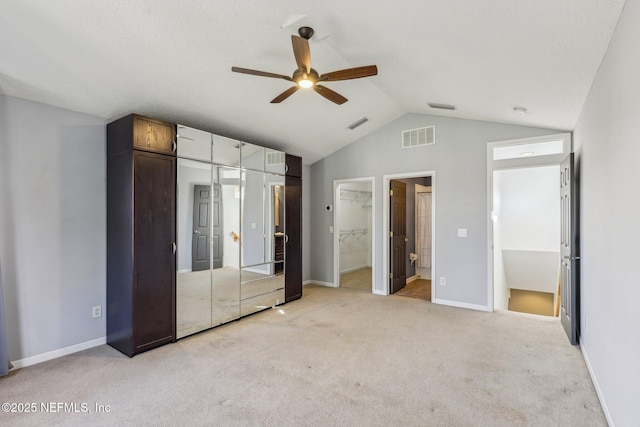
(336, 229)
(515, 163)
(386, 181)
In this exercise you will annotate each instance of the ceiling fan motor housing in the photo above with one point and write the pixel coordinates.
(305, 32)
(301, 74)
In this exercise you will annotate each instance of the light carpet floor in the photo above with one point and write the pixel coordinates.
(337, 357)
(357, 279)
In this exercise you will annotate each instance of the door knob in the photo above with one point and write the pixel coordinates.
(196, 232)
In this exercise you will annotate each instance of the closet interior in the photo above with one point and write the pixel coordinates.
(354, 218)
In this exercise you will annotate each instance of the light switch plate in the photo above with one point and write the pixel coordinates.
(462, 232)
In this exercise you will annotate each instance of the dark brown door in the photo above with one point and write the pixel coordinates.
(398, 276)
(200, 247)
(568, 251)
(293, 239)
(154, 250)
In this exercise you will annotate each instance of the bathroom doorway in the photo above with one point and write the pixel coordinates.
(353, 234)
(409, 225)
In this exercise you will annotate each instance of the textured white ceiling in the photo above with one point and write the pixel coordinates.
(172, 59)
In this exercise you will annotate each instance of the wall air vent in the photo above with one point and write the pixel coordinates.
(419, 137)
(275, 158)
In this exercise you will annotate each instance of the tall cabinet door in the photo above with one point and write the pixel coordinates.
(293, 221)
(154, 249)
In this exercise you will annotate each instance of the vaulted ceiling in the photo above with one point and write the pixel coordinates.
(172, 59)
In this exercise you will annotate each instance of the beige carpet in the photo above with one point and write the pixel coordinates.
(357, 279)
(337, 357)
(419, 288)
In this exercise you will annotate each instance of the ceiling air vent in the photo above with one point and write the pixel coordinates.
(442, 106)
(419, 137)
(275, 158)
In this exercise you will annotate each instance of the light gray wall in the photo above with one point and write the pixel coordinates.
(608, 153)
(459, 159)
(52, 226)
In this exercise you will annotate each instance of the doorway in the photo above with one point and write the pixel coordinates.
(526, 236)
(524, 224)
(353, 233)
(409, 223)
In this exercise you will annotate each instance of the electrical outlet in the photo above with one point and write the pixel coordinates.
(97, 311)
(443, 281)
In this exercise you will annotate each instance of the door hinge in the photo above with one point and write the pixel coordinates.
(391, 234)
(390, 192)
(390, 275)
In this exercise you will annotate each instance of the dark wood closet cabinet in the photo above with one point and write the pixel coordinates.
(141, 234)
(293, 224)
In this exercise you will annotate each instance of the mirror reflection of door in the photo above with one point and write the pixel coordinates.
(278, 224)
(217, 246)
(201, 228)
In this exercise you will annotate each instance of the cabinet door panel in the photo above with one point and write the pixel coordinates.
(154, 260)
(294, 166)
(153, 135)
(193, 144)
(293, 247)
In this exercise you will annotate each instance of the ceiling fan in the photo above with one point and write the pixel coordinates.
(306, 77)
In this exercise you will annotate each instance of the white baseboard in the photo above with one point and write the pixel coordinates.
(461, 304)
(594, 380)
(359, 267)
(184, 270)
(33, 360)
(319, 282)
(411, 279)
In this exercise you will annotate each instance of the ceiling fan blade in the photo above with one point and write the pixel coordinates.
(330, 94)
(260, 73)
(302, 52)
(350, 73)
(284, 95)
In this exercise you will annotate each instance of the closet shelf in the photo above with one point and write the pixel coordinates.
(356, 233)
(357, 196)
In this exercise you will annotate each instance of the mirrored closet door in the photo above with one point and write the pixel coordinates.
(231, 235)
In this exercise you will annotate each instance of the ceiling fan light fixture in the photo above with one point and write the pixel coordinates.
(305, 83)
(306, 77)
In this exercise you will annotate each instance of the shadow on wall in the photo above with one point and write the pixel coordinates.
(8, 240)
